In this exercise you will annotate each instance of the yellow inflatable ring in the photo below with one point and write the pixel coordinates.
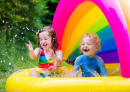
(22, 82)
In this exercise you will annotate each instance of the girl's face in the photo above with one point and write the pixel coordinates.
(88, 46)
(45, 40)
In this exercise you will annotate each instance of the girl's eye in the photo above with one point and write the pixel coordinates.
(41, 39)
(89, 43)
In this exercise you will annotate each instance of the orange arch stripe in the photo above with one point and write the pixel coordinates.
(73, 21)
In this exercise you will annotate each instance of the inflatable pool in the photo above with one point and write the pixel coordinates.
(110, 19)
(22, 82)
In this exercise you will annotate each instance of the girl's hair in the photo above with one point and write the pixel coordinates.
(52, 33)
(94, 37)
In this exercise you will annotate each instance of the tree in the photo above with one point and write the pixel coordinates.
(19, 21)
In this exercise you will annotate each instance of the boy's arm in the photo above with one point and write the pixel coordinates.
(77, 64)
(102, 66)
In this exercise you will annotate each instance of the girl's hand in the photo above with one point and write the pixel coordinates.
(53, 68)
(70, 74)
(29, 46)
(51, 54)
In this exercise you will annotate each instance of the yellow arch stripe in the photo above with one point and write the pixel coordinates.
(91, 17)
(97, 26)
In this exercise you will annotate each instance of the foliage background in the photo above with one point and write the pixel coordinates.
(19, 21)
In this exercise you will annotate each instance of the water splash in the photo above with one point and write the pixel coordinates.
(116, 72)
(94, 73)
(61, 73)
(72, 74)
(32, 64)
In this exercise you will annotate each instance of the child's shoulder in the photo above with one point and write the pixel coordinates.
(58, 52)
(39, 49)
(98, 58)
(81, 56)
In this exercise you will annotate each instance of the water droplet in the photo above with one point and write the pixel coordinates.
(9, 78)
(3, 21)
(15, 35)
(9, 63)
(27, 28)
(22, 57)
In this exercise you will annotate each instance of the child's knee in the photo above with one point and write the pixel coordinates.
(34, 73)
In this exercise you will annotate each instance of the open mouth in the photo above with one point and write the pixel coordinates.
(86, 50)
(44, 44)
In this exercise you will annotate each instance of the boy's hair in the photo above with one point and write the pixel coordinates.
(95, 37)
(52, 33)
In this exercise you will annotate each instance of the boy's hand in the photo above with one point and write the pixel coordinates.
(29, 46)
(51, 54)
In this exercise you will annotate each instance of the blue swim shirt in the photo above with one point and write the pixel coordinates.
(90, 65)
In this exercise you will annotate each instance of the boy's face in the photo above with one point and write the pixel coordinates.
(45, 40)
(88, 46)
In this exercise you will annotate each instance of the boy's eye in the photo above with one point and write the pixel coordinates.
(45, 38)
(82, 44)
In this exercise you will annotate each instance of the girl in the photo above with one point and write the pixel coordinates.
(90, 63)
(49, 57)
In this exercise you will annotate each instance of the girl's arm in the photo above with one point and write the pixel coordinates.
(56, 58)
(59, 58)
(33, 53)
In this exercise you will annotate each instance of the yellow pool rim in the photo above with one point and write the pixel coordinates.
(22, 82)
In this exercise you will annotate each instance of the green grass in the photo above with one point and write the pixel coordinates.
(15, 58)
(12, 62)
(65, 64)
(2, 85)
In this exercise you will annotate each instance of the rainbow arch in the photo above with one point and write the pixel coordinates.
(110, 19)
